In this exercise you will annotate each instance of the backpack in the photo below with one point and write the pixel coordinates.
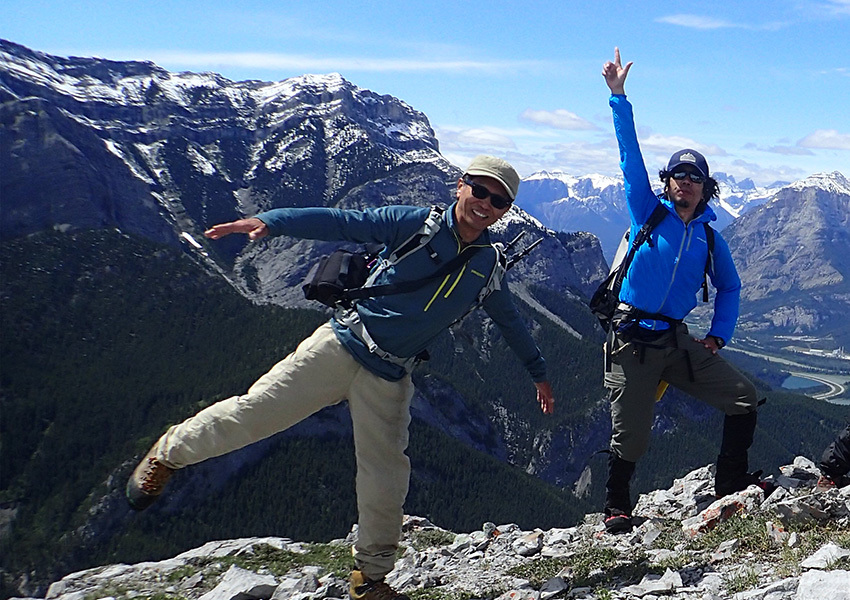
(605, 299)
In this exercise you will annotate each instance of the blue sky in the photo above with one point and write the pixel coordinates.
(761, 88)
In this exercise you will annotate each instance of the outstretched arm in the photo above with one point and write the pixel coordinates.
(255, 229)
(615, 73)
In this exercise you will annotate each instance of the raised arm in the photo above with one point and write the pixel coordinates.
(615, 73)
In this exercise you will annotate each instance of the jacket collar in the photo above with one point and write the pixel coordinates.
(704, 214)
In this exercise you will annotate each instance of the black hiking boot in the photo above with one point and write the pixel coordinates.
(728, 485)
(616, 521)
(363, 588)
(831, 482)
(618, 503)
(147, 482)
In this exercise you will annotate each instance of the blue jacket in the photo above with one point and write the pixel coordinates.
(665, 276)
(404, 324)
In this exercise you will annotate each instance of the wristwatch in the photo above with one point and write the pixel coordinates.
(719, 342)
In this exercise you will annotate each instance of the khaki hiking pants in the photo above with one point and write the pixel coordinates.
(319, 373)
(634, 375)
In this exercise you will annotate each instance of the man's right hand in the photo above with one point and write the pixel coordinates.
(615, 73)
(255, 229)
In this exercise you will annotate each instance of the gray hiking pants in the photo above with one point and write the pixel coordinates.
(634, 374)
(319, 373)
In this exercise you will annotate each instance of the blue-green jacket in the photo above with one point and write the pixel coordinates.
(404, 324)
(665, 276)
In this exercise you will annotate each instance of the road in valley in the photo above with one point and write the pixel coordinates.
(836, 383)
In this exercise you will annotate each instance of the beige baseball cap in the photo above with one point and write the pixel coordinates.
(498, 169)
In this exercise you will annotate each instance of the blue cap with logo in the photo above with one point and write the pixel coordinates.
(688, 157)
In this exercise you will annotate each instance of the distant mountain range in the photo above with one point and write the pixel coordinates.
(793, 255)
(597, 203)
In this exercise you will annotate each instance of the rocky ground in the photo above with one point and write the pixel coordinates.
(793, 545)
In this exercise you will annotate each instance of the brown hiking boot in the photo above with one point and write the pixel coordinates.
(361, 588)
(147, 482)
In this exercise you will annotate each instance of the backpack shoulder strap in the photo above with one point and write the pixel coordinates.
(421, 238)
(494, 282)
(657, 215)
(709, 238)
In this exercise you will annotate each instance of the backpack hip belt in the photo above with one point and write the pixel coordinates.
(636, 314)
(351, 319)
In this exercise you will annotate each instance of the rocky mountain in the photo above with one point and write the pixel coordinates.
(738, 197)
(792, 545)
(597, 203)
(98, 144)
(93, 143)
(793, 252)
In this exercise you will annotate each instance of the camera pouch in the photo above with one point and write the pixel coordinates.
(335, 273)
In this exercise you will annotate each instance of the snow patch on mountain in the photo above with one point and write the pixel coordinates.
(834, 183)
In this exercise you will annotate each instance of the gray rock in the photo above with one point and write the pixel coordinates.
(240, 584)
(824, 585)
(481, 563)
(825, 556)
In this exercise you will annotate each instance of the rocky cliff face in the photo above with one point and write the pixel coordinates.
(93, 143)
(793, 253)
(792, 545)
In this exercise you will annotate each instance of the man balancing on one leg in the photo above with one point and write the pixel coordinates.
(365, 354)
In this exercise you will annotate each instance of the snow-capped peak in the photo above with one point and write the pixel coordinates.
(597, 181)
(834, 183)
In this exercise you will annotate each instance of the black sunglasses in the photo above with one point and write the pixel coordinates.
(481, 192)
(680, 175)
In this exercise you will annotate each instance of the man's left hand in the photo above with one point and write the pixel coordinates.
(545, 397)
(711, 343)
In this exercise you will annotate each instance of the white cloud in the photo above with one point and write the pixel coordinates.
(706, 23)
(696, 22)
(838, 7)
(582, 158)
(789, 151)
(840, 71)
(827, 139)
(559, 119)
(667, 144)
(307, 63)
(466, 138)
